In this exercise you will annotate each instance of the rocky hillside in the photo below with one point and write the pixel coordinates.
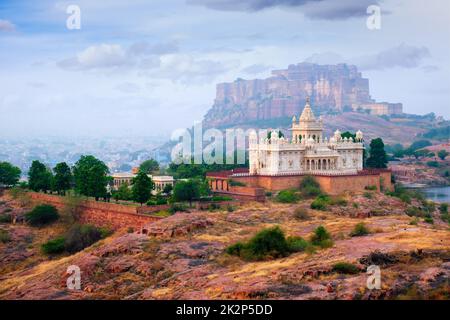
(183, 256)
(330, 87)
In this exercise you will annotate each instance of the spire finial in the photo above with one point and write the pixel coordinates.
(307, 100)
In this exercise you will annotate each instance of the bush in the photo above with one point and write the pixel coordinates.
(414, 212)
(414, 222)
(268, 194)
(338, 201)
(428, 220)
(359, 230)
(268, 243)
(405, 198)
(367, 195)
(4, 236)
(321, 238)
(320, 203)
(443, 208)
(5, 218)
(301, 214)
(371, 188)
(433, 164)
(297, 244)
(230, 208)
(310, 187)
(54, 246)
(345, 268)
(287, 196)
(81, 236)
(221, 198)
(42, 215)
(176, 207)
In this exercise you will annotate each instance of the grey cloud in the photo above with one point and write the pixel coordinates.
(313, 9)
(402, 56)
(145, 48)
(6, 26)
(256, 68)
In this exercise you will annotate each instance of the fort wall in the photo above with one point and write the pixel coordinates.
(101, 214)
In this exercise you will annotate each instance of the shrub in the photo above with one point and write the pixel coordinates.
(428, 220)
(320, 203)
(221, 198)
(359, 230)
(301, 214)
(338, 201)
(268, 194)
(4, 236)
(54, 246)
(405, 198)
(372, 188)
(443, 208)
(42, 215)
(310, 187)
(433, 164)
(268, 243)
(230, 208)
(5, 218)
(321, 238)
(367, 195)
(287, 196)
(297, 244)
(355, 205)
(414, 222)
(81, 236)
(414, 212)
(235, 249)
(345, 268)
(176, 207)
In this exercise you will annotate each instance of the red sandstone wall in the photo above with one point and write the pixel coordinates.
(329, 184)
(101, 214)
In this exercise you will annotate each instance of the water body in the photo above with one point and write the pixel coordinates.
(437, 194)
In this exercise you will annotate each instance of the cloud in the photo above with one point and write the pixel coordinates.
(104, 56)
(401, 56)
(6, 26)
(128, 87)
(148, 60)
(145, 48)
(256, 68)
(313, 9)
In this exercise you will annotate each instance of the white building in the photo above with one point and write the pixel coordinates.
(160, 182)
(308, 152)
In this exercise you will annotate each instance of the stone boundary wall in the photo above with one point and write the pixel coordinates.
(101, 214)
(330, 184)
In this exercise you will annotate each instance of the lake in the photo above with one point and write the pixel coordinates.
(437, 194)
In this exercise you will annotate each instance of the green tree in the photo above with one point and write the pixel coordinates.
(186, 191)
(39, 177)
(63, 178)
(91, 177)
(167, 189)
(123, 192)
(149, 166)
(9, 174)
(378, 157)
(442, 154)
(141, 187)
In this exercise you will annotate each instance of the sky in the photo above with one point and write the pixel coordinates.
(148, 67)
